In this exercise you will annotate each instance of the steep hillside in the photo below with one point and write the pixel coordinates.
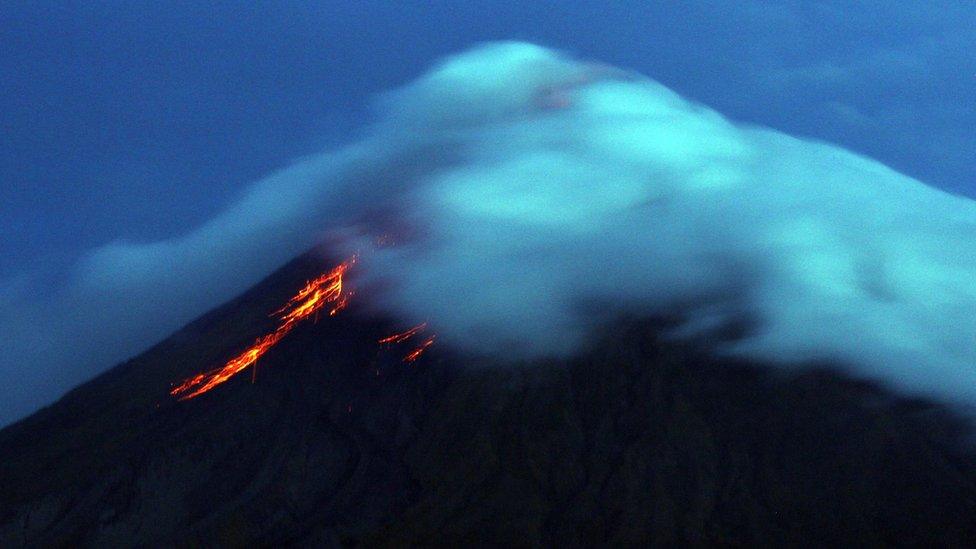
(339, 442)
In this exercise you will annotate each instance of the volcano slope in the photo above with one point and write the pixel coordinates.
(338, 442)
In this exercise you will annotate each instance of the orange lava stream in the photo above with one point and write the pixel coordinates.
(419, 350)
(403, 336)
(406, 335)
(308, 302)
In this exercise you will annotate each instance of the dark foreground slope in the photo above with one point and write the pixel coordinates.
(340, 443)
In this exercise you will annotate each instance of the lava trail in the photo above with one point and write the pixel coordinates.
(307, 303)
(419, 350)
(403, 336)
(407, 335)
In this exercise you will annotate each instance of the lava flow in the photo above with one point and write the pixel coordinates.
(403, 336)
(407, 335)
(419, 350)
(307, 303)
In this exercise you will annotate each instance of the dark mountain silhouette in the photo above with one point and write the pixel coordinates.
(340, 443)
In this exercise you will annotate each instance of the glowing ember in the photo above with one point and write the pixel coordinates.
(419, 350)
(403, 336)
(308, 302)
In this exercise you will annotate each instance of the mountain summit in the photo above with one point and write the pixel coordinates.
(338, 441)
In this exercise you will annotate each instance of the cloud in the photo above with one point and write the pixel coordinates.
(633, 199)
(547, 196)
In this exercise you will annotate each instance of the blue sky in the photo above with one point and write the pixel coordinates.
(136, 120)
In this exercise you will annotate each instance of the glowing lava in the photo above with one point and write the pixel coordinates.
(307, 303)
(419, 350)
(406, 335)
(403, 336)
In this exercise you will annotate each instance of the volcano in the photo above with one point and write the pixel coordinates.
(339, 441)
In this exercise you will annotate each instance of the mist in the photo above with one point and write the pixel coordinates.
(534, 198)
